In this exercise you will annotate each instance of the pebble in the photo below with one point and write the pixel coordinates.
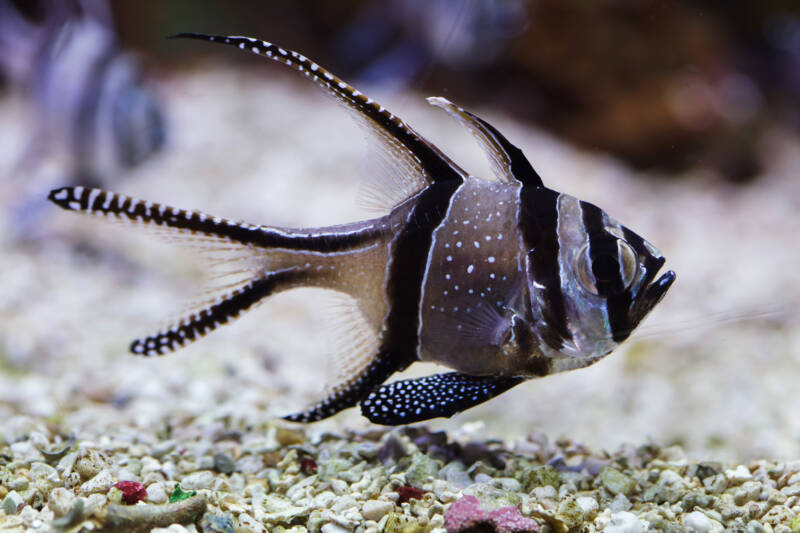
(198, 480)
(89, 463)
(616, 482)
(332, 527)
(588, 505)
(100, 483)
(376, 509)
(60, 501)
(11, 503)
(156, 493)
(738, 474)
(625, 522)
(696, 522)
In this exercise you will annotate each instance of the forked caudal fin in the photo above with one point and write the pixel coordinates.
(270, 260)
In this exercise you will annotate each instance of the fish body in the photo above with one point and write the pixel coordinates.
(95, 113)
(501, 280)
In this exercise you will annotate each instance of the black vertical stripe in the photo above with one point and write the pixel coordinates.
(618, 301)
(409, 258)
(539, 226)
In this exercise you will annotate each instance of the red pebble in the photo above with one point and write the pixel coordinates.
(132, 491)
(406, 493)
(308, 466)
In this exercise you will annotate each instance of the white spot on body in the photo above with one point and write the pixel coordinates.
(470, 269)
(491, 259)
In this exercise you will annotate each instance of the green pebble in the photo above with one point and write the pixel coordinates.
(616, 482)
(333, 467)
(794, 525)
(421, 470)
(531, 476)
(178, 494)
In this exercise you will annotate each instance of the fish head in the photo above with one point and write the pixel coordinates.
(591, 279)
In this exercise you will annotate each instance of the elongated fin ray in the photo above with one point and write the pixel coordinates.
(414, 161)
(104, 203)
(508, 162)
(441, 395)
(222, 312)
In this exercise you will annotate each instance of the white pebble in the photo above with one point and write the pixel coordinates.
(696, 522)
(624, 522)
(376, 509)
(60, 501)
(198, 480)
(332, 527)
(100, 483)
(156, 493)
(588, 505)
(740, 474)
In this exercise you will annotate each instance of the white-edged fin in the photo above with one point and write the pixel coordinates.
(497, 159)
(507, 161)
(354, 342)
(410, 161)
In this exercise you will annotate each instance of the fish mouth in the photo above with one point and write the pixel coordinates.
(652, 291)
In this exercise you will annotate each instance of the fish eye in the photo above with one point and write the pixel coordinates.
(606, 266)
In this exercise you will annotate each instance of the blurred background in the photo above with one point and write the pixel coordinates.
(679, 118)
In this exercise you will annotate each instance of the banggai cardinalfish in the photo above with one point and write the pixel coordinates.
(501, 281)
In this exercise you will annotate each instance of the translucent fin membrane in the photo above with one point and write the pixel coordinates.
(409, 161)
(507, 161)
(223, 311)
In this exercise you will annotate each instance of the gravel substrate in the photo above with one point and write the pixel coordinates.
(267, 477)
(713, 368)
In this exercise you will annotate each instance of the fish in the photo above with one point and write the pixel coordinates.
(501, 280)
(95, 111)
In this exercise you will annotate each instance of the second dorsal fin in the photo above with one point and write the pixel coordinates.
(508, 162)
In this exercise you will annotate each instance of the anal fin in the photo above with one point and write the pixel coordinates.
(354, 392)
(440, 395)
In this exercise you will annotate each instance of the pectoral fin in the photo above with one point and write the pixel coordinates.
(440, 395)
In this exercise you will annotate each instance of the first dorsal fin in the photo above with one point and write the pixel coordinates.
(410, 162)
(508, 162)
